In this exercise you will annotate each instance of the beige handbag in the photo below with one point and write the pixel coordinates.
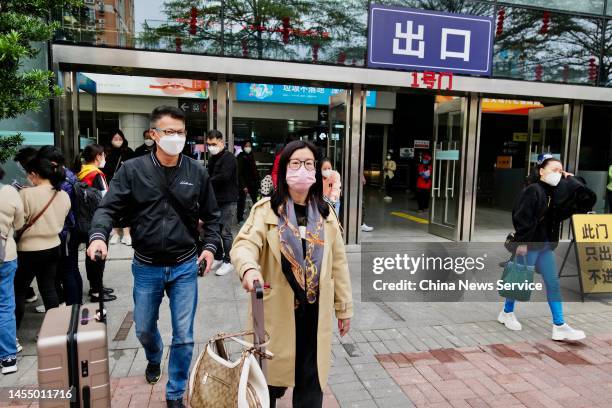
(218, 382)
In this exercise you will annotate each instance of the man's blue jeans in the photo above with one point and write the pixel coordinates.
(8, 325)
(181, 285)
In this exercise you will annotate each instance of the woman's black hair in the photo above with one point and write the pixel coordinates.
(48, 170)
(534, 177)
(325, 160)
(120, 133)
(25, 156)
(88, 155)
(281, 194)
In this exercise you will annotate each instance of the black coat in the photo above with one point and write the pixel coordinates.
(115, 160)
(224, 176)
(248, 176)
(159, 234)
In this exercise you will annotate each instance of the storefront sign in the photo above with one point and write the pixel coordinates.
(136, 85)
(86, 84)
(193, 106)
(524, 137)
(401, 38)
(421, 144)
(593, 236)
(432, 80)
(295, 94)
(504, 162)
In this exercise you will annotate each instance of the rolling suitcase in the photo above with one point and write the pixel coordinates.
(73, 356)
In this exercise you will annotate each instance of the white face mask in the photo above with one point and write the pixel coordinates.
(214, 150)
(326, 173)
(247, 150)
(117, 143)
(172, 144)
(102, 164)
(388, 157)
(552, 178)
(149, 142)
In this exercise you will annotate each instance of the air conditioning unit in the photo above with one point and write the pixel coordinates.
(100, 22)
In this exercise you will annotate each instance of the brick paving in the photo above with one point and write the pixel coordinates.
(524, 374)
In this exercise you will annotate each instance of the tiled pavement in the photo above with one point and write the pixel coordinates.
(362, 374)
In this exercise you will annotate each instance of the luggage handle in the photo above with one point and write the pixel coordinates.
(259, 331)
(101, 313)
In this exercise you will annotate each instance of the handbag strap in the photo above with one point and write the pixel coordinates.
(37, 216)
(250, 347)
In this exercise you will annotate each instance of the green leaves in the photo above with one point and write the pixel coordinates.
(9, 146)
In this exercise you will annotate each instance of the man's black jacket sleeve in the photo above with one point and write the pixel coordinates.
(210, 214)
(113, 205)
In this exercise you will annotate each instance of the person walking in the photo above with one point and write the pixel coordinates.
(222, 167)
(88, 167)
(119, 153)
(11, 219)
(69, 284)
(423, 184)
(248, 178)
(172, 193)
(293, 242)
(147, 146)
(537, 235)
(46, 207)
(331, 184)
(389, 167)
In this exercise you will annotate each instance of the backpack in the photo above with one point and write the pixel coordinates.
(87, 199)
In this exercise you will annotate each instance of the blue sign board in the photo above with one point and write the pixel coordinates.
(291, 94)
(423, 40)
(86, 84)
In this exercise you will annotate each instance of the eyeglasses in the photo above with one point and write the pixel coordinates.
(170, 132)
(295, 164)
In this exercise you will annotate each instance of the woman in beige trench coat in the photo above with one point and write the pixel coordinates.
(294, 243)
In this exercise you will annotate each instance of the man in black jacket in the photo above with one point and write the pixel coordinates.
(222, 168)
(163, 196)
(147, 146)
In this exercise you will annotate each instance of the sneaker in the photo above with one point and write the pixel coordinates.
(31, 296)
(224, 269)
(40, 309)
(19, 348)
(9, 365)
(126, 240)
(175, 404)
(366, 228)
(114, 240)
(565, 332)
(216, 265)
(153, 373)
(509, 320)
(105, 290)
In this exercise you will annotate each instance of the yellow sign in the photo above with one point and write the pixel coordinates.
(524, 137)
(593, 235)
(504, 162)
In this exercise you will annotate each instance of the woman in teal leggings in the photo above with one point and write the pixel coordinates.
(537, 233)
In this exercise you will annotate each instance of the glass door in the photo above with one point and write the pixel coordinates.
(548, 133)
(446, 192)
(338, 129)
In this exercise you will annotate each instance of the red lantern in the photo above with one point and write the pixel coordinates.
(245, 48)
(592, 70)
(286, 30)
(193, 21)
(501, 16)
(315, 53)
(341, 58)
(545, 23)
(178, 42)
(538, 72)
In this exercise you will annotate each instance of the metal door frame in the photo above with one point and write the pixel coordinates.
(461, 107)
(550, 112)
(337, 101)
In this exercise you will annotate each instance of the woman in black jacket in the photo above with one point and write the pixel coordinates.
(537, 222)
(119, 153)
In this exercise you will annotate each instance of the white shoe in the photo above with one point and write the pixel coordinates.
(40, 309)
(366, 228)
(509, 320)
(224, 269)
(216, 265)
(126, 240)
(565, 332)
(114, 240)
(32, 299)
(19, 348)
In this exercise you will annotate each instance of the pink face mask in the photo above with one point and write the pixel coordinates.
(301, 179)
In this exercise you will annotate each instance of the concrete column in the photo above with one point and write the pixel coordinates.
(132, 125)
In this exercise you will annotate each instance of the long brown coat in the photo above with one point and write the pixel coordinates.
(258, 245)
